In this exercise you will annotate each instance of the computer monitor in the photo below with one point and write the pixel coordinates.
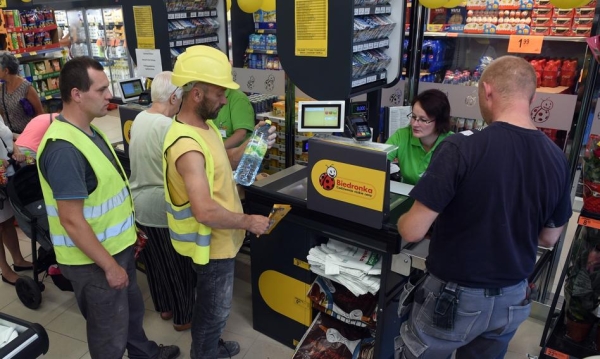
(321, 116)
(131, 89)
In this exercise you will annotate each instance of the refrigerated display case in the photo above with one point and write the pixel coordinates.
(100, 33)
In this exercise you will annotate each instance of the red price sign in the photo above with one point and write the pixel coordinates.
(556, 354)
(589, 222)
(523, 44)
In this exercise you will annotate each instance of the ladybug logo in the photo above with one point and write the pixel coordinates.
(327, 179)
(541, 113)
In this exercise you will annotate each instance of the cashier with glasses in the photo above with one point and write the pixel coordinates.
(429, 125)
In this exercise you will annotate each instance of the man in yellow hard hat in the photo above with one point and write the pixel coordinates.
(90, 213)
(204, 212)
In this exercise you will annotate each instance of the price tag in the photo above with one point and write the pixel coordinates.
(388, 9)
(452, 34)
(371, 79)
(367, 10)
(371, 45)
(194, 14)
(588, 222)
(355, 12)
(178, 43)
(524, 44)
(382, 76)
(213, 13)
(378, 10)
(555, 354)
(354, 48)
(171, 16)
(171, 44)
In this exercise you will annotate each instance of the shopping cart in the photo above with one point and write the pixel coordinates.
(25, 195)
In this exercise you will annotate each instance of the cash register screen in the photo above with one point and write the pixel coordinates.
(321, 116)
(131, 89)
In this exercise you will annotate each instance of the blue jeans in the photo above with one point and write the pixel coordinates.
(114, 318)
(484, 324)
(214, 292)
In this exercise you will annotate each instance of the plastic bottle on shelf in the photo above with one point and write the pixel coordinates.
(253, 155)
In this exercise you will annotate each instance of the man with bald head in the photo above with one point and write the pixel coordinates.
(495, 195)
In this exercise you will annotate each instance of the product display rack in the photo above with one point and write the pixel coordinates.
(99, 33)
(189, 24)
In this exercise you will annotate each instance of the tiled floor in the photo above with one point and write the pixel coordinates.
(66, 328)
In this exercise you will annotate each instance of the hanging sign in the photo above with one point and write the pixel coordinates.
(522, 44)
(260, 81)
(311, 27)
(149, 63)
(144, 27)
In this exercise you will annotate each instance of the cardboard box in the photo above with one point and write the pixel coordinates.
(560, 31)
(540, 30)
(563, 13)
(541, 21)
(542, 4)
(542, 12)
(585, 12)
(562, 22)
(584, 31)
(583, 21)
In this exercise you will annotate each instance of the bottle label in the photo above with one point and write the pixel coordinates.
(256, 147)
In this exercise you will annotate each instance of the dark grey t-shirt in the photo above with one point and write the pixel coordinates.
(66, 169)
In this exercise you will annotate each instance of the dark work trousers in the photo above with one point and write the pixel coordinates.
(114, 318)
(214, 293)
(171, 278)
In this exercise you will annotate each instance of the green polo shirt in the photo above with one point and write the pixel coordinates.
(237, 114)
(412, 158)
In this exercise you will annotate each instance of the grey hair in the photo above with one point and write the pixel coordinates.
(9, 61)
(162, 88)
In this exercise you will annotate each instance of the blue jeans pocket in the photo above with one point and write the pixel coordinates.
(516, 315)
(408, 345)
(463, 321)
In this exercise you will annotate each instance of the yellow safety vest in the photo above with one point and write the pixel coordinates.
(108, 209)
(189, 237)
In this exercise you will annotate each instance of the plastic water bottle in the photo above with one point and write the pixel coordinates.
(253, 155)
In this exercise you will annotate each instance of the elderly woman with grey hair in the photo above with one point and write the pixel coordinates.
(171, 277)
(14, 89)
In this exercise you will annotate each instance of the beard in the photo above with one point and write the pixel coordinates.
(204, 110)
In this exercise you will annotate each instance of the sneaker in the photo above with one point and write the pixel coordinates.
(168, 352)
(228, 349)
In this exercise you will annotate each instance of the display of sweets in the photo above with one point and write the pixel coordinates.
(371, 61)
(182, 29)
(190, 5)
(370, 2)
(554, 72)
(372, 27)
(28, 19)
(262, 62)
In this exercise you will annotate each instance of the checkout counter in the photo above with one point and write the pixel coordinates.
(280, 274)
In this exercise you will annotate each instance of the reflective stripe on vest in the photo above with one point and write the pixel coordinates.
(99, 210)
(202, 240)
(109, 233)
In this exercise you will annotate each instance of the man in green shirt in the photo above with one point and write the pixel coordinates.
(236, 120)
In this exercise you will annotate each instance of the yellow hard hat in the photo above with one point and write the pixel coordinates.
(205, 64)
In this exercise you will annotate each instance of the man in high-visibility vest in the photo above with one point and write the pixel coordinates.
(90, 212)
(204, 212)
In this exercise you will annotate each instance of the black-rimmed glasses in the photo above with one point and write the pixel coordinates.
(411, 116)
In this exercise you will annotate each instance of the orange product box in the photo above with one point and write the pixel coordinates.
(583, 21)
(563, 13)
(585, 11)
(541, 21)
(584, 31)
(540, 30)
(562, 22)
(560, 31)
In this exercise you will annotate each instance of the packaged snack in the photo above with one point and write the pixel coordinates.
(276, 215)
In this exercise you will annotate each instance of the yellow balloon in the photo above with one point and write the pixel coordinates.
(453, 3)
(269, 5)
(566, 4)
(583, 3)
(433, 4)
(249, 6)
(228, 2)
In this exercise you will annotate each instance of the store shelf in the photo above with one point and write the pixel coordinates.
(368, 79)
(268, 52)
(176, 15)
(49, 94)
(268, 115)
(45, 76)
(373, 10)
(491, 36)
(194, 41)
(370, 45)
(37, 29)
(37, 50)
(266, 31)
(554, 90)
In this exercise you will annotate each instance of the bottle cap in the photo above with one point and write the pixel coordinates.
(268, 122)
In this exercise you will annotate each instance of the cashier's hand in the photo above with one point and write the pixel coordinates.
(257, 224)
(272, 134)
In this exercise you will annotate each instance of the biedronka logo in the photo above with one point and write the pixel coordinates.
(348, 183)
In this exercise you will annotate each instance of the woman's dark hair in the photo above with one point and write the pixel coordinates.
(9, 61)
(75, 75)
(436, 105)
